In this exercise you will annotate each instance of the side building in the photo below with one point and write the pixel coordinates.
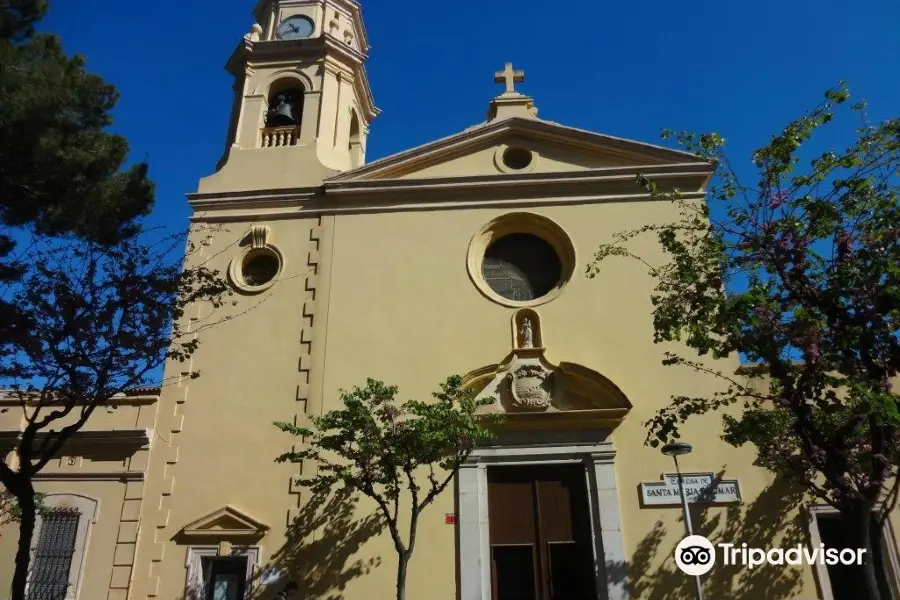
(93, 497)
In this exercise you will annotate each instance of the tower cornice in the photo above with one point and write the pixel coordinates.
(252, 53)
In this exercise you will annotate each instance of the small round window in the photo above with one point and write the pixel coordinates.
(256, 269)
(521, 267)
(259, 268)
(517, 158)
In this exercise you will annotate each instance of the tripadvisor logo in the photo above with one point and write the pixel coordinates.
(696, 555)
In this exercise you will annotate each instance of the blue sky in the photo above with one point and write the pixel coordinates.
(623, 68)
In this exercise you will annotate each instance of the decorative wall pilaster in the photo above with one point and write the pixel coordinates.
(166, 448)
(126, 541)
(309, 317)
(312, 338)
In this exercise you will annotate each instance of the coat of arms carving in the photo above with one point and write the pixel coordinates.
(530, 386)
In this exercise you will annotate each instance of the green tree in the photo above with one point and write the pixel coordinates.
(400, 456)
(9, 508)
(90, 306)
(95, 321)
(60, 171)
(799, 272)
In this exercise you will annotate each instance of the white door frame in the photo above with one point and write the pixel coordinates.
(196, 585)
(598, 458)
(889, 551)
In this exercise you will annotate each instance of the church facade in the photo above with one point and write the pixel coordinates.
(465, 255)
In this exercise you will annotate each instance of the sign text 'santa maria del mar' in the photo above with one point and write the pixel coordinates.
(698, 488)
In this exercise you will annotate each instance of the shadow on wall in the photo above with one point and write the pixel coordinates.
(771, 520)
(321, 543)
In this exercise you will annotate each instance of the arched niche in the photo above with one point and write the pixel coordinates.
(285, 100)
(526, 329)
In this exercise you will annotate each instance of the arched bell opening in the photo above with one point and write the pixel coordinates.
(355, 143)
(284, 114)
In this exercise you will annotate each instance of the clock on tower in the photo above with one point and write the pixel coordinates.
(295, 28)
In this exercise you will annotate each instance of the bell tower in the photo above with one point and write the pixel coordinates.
(302, 100)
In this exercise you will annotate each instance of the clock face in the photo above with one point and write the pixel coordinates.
(295, 28)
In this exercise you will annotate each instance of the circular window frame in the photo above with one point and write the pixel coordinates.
(235, 269)
(521, 222)
(501, 165)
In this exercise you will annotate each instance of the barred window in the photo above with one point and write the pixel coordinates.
(53, 555)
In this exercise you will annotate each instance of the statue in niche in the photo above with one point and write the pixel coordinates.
(527, 334)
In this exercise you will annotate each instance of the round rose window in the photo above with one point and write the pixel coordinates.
(521, 267)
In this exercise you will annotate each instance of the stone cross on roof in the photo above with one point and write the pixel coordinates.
(510, 77)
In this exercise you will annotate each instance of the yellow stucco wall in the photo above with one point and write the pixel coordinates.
(388, 295)
(374, 283)
(399, 305)
(403, 309)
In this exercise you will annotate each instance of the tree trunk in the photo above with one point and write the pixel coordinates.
(402, 563)
(860, 526)
(25, 496)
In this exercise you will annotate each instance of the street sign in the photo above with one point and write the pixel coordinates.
(699, 488)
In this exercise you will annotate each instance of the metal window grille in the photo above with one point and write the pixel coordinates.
(53, 556)
(521, 266)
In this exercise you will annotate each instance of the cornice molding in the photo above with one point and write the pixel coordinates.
(594, 177)
(262, 199)
(112, 439)
(141, 400)
(371, 196)
(121, 476)
(274, 214)
(571, 449)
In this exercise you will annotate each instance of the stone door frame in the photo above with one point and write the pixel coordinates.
(598, 458)
(889, 550)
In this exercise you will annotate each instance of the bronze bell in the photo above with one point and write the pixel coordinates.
(282, 114)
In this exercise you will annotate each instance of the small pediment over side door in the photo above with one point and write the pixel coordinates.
(225, 523)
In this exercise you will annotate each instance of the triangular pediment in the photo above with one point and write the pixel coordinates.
(225, 523)
(554, 148)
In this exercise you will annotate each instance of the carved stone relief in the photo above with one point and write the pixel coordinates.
(530, 387)
(526, 383)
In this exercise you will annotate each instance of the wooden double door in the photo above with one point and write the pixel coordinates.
(540, 534)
